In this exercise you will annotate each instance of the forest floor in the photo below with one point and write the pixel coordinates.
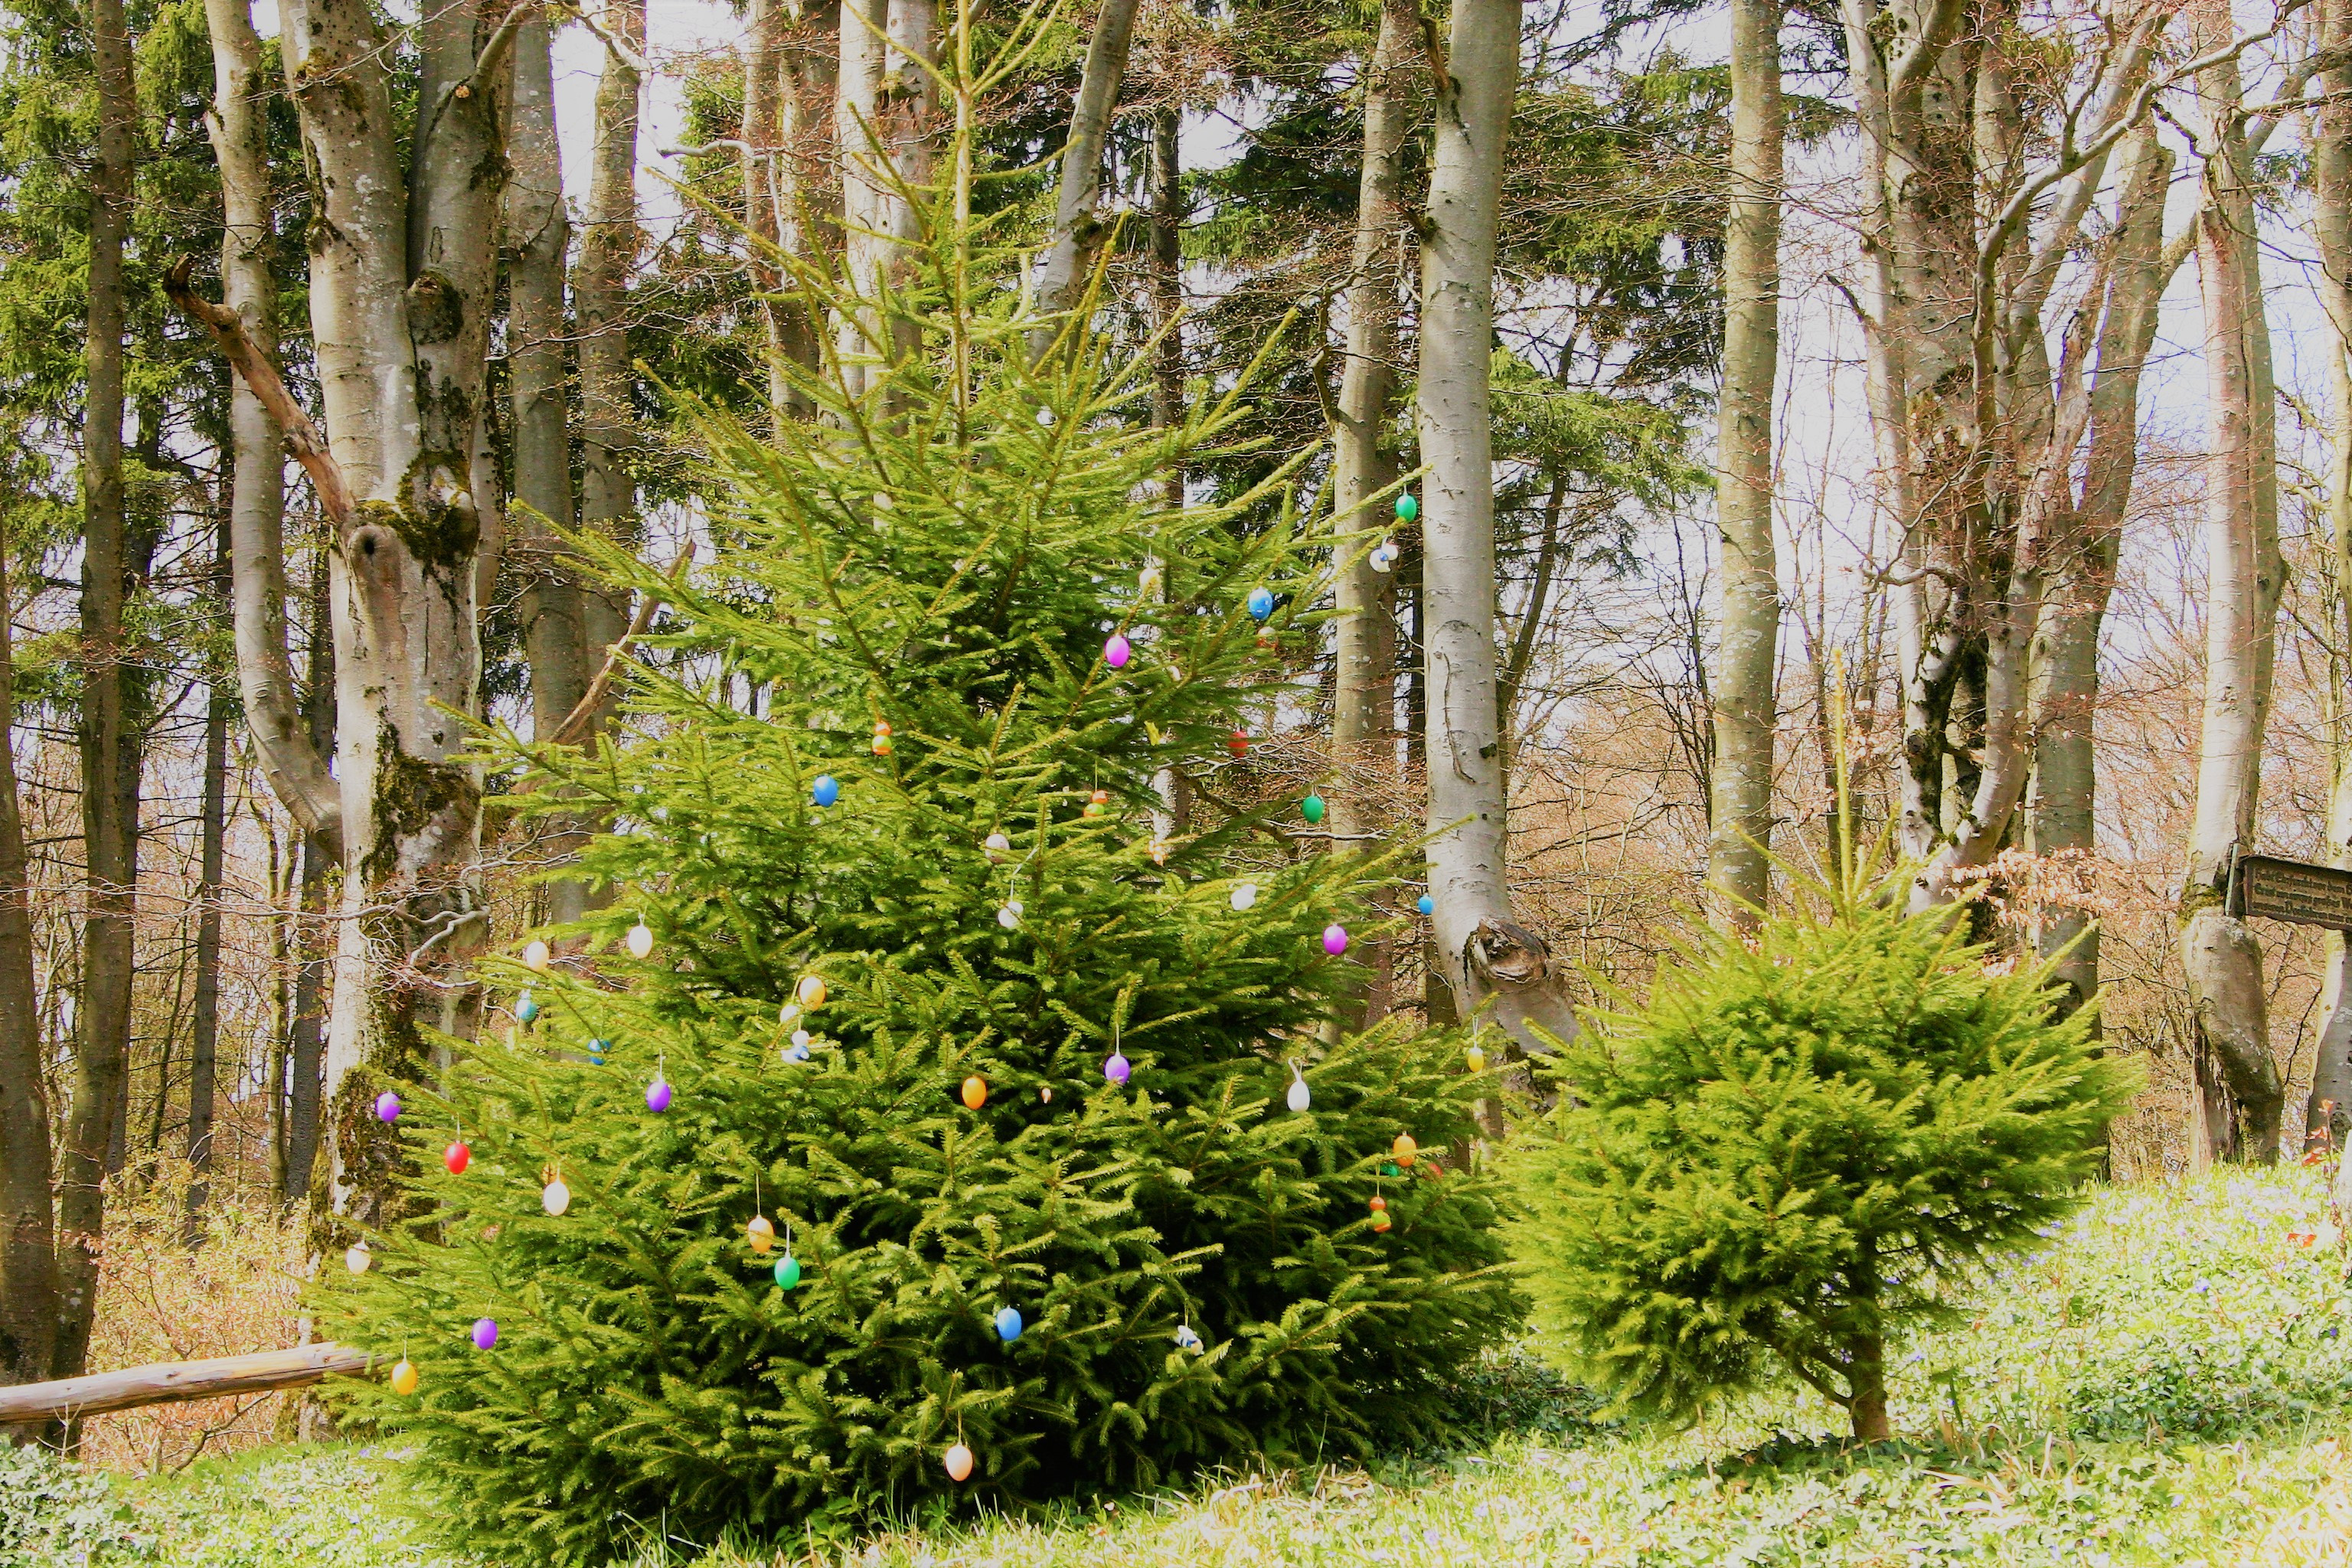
(2168, 1382)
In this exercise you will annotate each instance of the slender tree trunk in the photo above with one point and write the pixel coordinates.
(297, 771)
(109, 754)
(28, 1264)
(205, 1021)
(2330, 1106)
(2237, 1079)
(538, 236)
(281, 1000)
(1363, 803)
(314, 933)
(1487, 955)
(910, 122)
(1739, 867)
(768, 86)
(857, 139)
(1076, 230)
(608, 253)
(1173, 816)
(2060, 820)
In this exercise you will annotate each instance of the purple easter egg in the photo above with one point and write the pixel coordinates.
(1117, 650)
(657, 1095)
(1335, 940)
(387, 1106)
(485, 1332)
(1116, 1069)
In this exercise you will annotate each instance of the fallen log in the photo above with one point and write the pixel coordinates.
(167, 1382)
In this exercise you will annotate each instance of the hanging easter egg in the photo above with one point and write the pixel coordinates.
(485, 1332)
(387, 1106)
(881, 738)
(1300, 1097)
(526, 1009)
(1404, 1149)
(1260, 604)
(1243, 896)
(1380, 1223)
(788, 1270)
(1095, 803)
(640, 940)
(596, 1049)
(958, 1459)
(998, 847)
(1008, 1323)
(1389, 1168)
(534, 956)
(1311, 808)
(1186, 1340)
(657, 1095)
(1383, 557)
(1425, 904)
(762, 1233)
(356, 1258)
(826, 790)
(1335, 939)
(1045, 1094)
(404, 1377)
(1238, 742)
(975, 1092)
(1045, 419)
(1407, 509)
(810, 991)
(456, 1156)
(1009, 916)
(1116, 1070)
(1150, 583)
(798, 1051)
(1475, 1059)
(1117, 650)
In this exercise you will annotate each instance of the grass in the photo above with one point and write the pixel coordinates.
(2168, 1382)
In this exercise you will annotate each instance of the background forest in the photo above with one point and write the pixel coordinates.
(1980, 373)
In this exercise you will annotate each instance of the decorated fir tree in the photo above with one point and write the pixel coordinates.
(922, 1117)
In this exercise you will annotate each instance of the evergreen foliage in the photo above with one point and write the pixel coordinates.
(1798, 1149)
(945, 554)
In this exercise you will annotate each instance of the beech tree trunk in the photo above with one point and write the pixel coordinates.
(2330, 1106)
(1487, 957)
(554, 604)
(608, 252)
(28, 1264)
(2060, 819)
(109, 753)
(204, 1012)
(2239, 1088)
(1076, 230)
(857, 338)
(1740, 815)
(1363, 794)
(314, 938)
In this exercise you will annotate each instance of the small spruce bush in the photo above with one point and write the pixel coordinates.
(1798, 1149)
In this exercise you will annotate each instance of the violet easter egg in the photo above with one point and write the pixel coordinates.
(387, 1106)
(1116, 1070)
(657, 1095)
(485, 1332)
(1117, 650)
(1335, 939)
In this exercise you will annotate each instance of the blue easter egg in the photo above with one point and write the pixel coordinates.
(1008, 1323)
(596, 1049)
(526, 1007)
(1260, 604)
(1425, 904)
(826, 790)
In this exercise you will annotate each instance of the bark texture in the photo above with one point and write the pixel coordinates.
(609, 243)
(204, 1024)
(109, 751)
(2239, 1093)
(1076, 230)
(1740, 815)
(1363, 742)
(28, 1269)
(2330, 1106)
(1487, 957)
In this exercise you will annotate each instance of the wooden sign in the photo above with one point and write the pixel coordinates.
(2273, 888)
